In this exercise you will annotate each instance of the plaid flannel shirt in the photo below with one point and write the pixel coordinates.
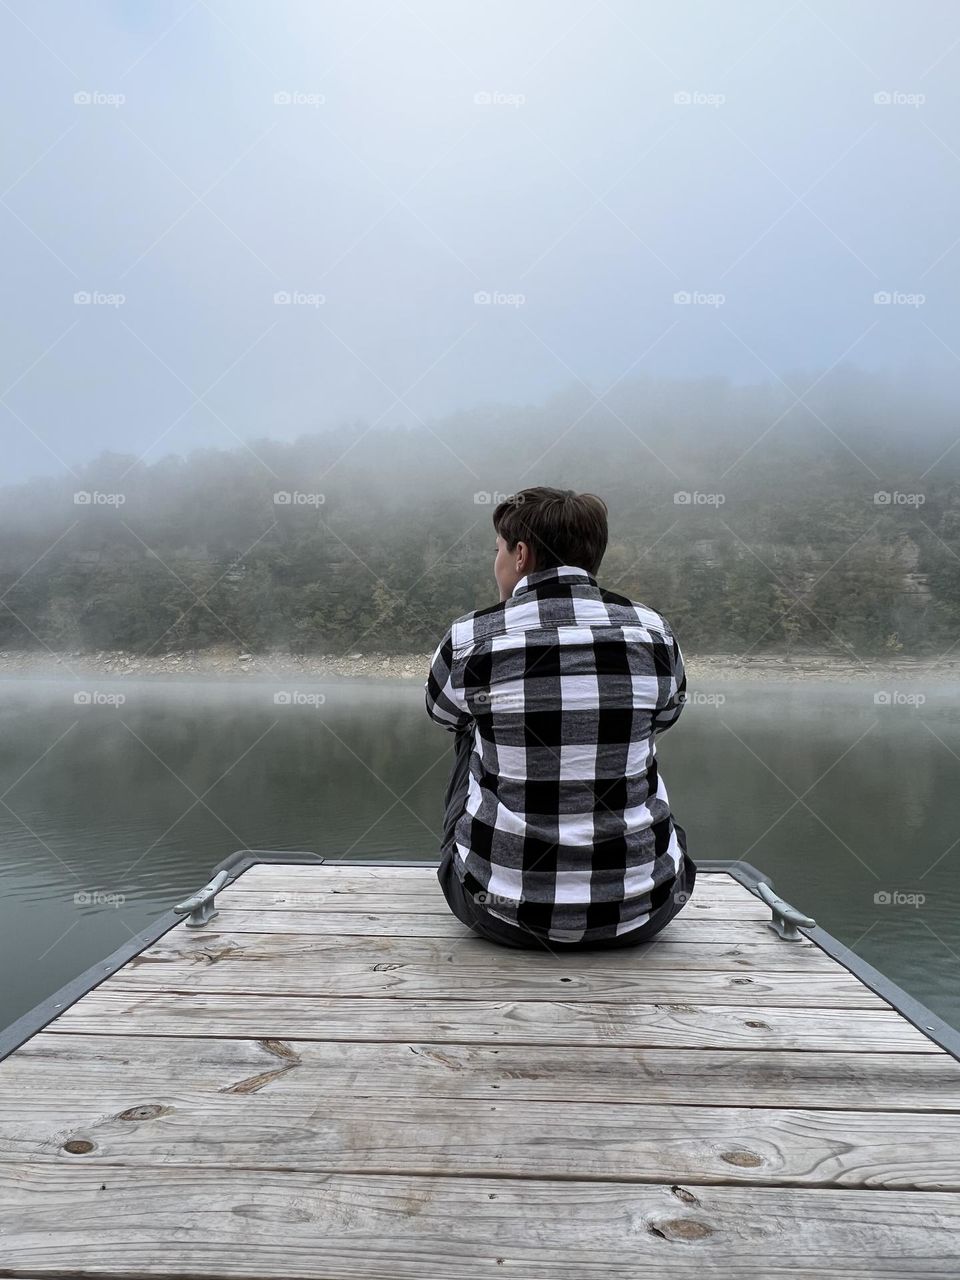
(566, 830)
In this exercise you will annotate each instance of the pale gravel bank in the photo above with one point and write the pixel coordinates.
(228, 662)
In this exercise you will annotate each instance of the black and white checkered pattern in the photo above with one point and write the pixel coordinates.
(567, 830)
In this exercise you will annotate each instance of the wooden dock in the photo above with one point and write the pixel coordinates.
(335, 1080)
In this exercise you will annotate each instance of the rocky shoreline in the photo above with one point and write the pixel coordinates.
(230, 663)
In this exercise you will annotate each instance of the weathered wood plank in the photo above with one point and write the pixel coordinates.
(111, 1008)
(430, 900)
(267, 874)
(327, 878)
(265, 877)
(376, 871)
(316, 954)
(117, 1222)
(351, 869)
(427, 899)
(688, 926)
(51, 1064)
(239, 973)
(138, 1127)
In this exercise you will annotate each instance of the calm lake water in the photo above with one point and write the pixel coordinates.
(840, 800)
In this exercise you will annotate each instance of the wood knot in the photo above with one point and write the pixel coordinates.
(149, 1111)
(756, 1023)
(78, 1146)
(280, 1050)
(744, 1159)
(681, 1229)
(683, 1194)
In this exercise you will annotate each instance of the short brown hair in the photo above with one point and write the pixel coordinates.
(560, 526)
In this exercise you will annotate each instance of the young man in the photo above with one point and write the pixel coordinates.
(557, 830)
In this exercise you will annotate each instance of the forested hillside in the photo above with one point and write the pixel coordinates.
(752, 521)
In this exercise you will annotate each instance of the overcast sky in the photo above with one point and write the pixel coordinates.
(381, 164)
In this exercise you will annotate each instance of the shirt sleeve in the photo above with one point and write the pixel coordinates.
(445, 704)
(668, 713)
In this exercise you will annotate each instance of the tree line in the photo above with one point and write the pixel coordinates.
(753, 520)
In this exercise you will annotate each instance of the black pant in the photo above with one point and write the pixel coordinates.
(472, 913)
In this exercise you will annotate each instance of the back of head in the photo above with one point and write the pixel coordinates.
(559, 525)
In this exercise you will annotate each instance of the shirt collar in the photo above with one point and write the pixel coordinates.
(559, 573)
